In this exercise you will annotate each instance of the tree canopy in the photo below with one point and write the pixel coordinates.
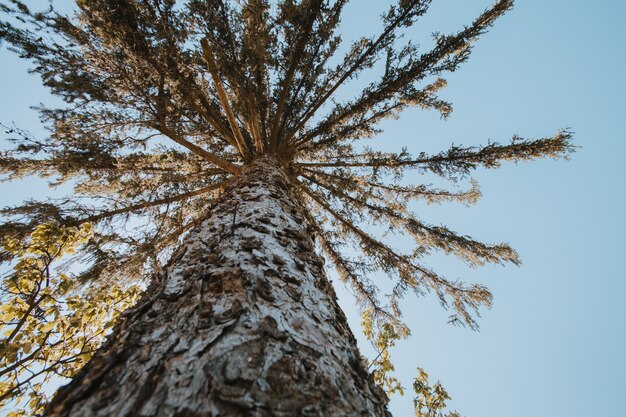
(165, 102)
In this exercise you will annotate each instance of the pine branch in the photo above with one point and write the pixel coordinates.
(460, 161)
(448, 54)
(208, 114)
(426, 236)
(406, 193)
(411, 274)
(257, 45)
(411, 7)
(340, 130)
(365, 291)
(254, 127)
(312, 8)
(323, 46)
(154, 203)
(232, 121)
(208, 156)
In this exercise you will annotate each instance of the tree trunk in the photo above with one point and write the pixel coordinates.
(243, 323)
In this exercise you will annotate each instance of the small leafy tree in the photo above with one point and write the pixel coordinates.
(50, 325)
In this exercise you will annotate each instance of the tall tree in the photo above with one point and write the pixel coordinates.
(203, 142)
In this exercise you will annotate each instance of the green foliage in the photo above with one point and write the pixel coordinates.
(50, 326)
(383, 336)
(430, 401)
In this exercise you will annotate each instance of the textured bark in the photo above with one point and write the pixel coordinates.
(243, 323)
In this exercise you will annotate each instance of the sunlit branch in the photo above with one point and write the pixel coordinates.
(462, 160)
(349, 225)
(15, 168)
(424, 98)
(312, 10)
(253, 123)
(147, 204)
(232, 121)
(212, 120)
(447, 55)
(354, 67)
(406, 192)
(364, 294)
(461, 296)
(368, 295)
(31, 356)
(473, 252)
(210, 157)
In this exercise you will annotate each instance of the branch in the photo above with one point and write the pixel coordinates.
(212, 158)
(366, 294)
(232, 121)
(462, 297)
(430, 195)
(447, 55)
(253, 125)
(154, 203)
(424, 98)
(212, 120)
(473, 252)
(296, 56)
(369, 51)
(459, 160)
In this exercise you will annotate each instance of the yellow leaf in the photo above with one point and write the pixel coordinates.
(46, 327)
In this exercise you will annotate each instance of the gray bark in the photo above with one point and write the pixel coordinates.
(243, 323)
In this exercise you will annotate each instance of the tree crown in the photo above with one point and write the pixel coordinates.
(166, 102)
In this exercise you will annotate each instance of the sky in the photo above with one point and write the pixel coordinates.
(554, 343)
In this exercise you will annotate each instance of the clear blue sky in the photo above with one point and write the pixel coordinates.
(554, 344)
